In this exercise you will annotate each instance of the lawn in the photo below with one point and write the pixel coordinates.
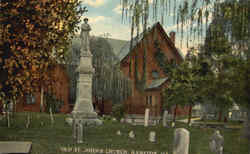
(48, 139)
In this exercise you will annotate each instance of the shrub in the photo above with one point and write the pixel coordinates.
(118, 111)
(53, 103)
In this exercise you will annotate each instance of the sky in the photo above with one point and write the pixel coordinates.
(105, 16)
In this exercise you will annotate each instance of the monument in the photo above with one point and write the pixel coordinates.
(83, 110)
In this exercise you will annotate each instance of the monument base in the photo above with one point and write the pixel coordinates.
(86, 119)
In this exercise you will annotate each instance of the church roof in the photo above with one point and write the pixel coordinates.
(125, 49)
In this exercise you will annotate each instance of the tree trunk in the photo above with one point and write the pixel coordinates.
(8, 119)
(175, 113)
(247, 126)
(220, 116)
(190, 114)
(41, 101)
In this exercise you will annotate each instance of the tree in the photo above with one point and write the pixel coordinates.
(35, 35)
(236, 28)
(109, 83)
(184, 84)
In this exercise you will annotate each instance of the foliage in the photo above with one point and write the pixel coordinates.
(108, 81)
(52, 102)
(190, 15)
(118, 111)
(34, 36)
(226, 56)
(226, 49)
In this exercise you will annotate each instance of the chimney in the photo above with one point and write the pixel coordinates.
(172, 36)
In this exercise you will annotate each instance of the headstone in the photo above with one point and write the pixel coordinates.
(164, 120)
(181, 141)
(69, 121)
(154, 122)
(146, 118)
(41, 123)
(83, 109)
(80, 132)
(152, 136)
(28, 121)
(114, 119)
(122, 120)
(230, 115)
(51, 116)
(74, 126)
(118, 133)
(190, 124)
(173, 124)
(131, 134)
(15, 147)
(216, 143)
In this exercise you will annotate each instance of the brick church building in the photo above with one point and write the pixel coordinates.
(148, 70)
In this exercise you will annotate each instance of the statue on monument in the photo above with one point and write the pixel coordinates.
(84, 35)
(83, 112)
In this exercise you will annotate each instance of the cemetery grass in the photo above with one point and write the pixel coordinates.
(48, 139)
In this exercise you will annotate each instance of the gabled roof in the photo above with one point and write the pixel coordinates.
(125, 49)
(156, 83)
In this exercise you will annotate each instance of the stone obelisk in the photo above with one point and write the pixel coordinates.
(83, 110)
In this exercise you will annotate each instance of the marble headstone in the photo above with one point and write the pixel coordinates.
(118, 133)
(173, 124)
(146, 117)
(79, 133)
(152, 136)
(131, 134)
(216, 143)
(181, 141)
(164, 120)
(122, 120)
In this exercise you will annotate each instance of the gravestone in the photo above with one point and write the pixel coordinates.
(216, 143)
(173, 124)
(74, 127)
(131, 134)
(152, 136)
(230, 115)
(51, 116)
(190, 124)
(83, 109)
(122, 120)
(15, 147)
(69, 121)
(181, 141)
(146, 117)
(118, 133)
(79, 132)
(164, 120)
